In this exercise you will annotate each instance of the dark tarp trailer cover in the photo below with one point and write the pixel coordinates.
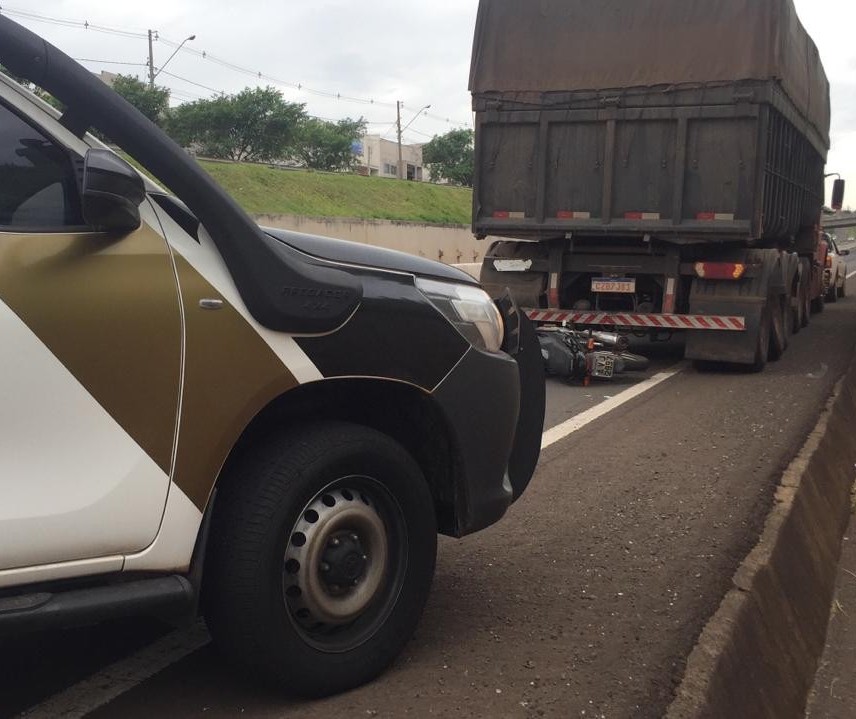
(544, 46)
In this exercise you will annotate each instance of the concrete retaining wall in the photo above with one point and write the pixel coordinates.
(453, 244)
(758, 655)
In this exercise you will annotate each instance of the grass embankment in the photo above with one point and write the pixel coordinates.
(271, 191)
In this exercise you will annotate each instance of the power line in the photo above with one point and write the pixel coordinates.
(86, 25)
(191, 82)
(424, 134)
(110, 62)
(257, 74)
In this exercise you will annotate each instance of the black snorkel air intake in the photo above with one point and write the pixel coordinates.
(282, 289)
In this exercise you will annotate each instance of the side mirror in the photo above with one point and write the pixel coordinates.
(112, 193)
(837, 195)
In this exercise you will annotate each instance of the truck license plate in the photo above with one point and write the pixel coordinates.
(625, 285)
(512, 265)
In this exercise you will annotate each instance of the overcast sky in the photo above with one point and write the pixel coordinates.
(416, 51)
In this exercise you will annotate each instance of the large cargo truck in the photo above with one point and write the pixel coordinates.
(655, 166)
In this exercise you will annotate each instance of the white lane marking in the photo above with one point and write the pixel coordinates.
(121, 676)
(851, 274)
(574, 424)
(97, 690)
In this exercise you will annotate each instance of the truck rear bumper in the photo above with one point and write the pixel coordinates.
(670, 322)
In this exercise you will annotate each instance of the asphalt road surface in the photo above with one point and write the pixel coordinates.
(583, 602)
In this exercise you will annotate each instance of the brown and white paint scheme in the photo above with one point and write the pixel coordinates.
(116, 414)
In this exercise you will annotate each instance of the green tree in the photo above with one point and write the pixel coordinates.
(450, 157)
(322, 145)
(152, 102)
(38, 91)
(254, 125)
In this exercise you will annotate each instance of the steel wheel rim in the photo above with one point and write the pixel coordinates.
(332, 614)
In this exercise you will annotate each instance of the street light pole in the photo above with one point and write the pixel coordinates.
(401, 130)
(152, 73)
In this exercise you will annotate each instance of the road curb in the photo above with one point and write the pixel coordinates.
(758, 655)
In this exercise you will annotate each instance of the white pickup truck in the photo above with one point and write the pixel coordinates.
(196, 413)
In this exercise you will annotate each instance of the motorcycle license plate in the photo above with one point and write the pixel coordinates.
(625, 285)
(603, 366)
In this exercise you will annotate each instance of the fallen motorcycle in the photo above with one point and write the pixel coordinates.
(583, 356)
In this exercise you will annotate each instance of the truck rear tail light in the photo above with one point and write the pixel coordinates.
(715, 216)
(720, 270)
(641, 215)
(829, 261)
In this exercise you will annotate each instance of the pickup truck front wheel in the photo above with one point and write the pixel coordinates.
(321, 557)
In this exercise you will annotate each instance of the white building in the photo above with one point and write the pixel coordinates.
(108, 78)
(379, 158)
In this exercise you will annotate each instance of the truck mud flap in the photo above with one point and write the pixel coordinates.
(522, 344)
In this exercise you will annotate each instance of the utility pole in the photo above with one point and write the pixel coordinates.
(152, 73)
(151, 64)
(398, 104)
(398, 123)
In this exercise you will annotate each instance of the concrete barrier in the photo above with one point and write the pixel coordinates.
(758, 655)
(471, 268)
(453, 244)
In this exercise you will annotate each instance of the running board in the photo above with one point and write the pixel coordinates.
(161, 596)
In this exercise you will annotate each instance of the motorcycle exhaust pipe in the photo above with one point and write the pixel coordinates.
(612, 340)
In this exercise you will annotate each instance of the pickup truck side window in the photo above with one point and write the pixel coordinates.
(38, 184)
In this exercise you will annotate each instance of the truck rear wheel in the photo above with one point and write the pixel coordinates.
(778, 307)
(805, 292)
(762, 345)
(817, 303)
(799, 307)
(322, 552)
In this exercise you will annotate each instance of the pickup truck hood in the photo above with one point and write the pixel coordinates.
(354, 253)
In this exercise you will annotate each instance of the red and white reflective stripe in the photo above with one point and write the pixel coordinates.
(648, 321)
(553, 292)
(715, 216)
(669, 300)
(506, 215)
(568, 215)
(641, 215)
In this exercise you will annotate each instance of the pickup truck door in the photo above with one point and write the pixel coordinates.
(90, 365)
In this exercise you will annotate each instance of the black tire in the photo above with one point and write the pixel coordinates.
(633, 362)
(832, 292)
(798, 308)
(817, 304)
(329, 500)
(842, 291)
(806, 293)
(779, 325)
(762, 344)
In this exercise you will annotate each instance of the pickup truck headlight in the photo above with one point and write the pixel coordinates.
(469, 308)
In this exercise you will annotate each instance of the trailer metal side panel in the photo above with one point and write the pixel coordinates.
(731, 166)
(578, 149)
